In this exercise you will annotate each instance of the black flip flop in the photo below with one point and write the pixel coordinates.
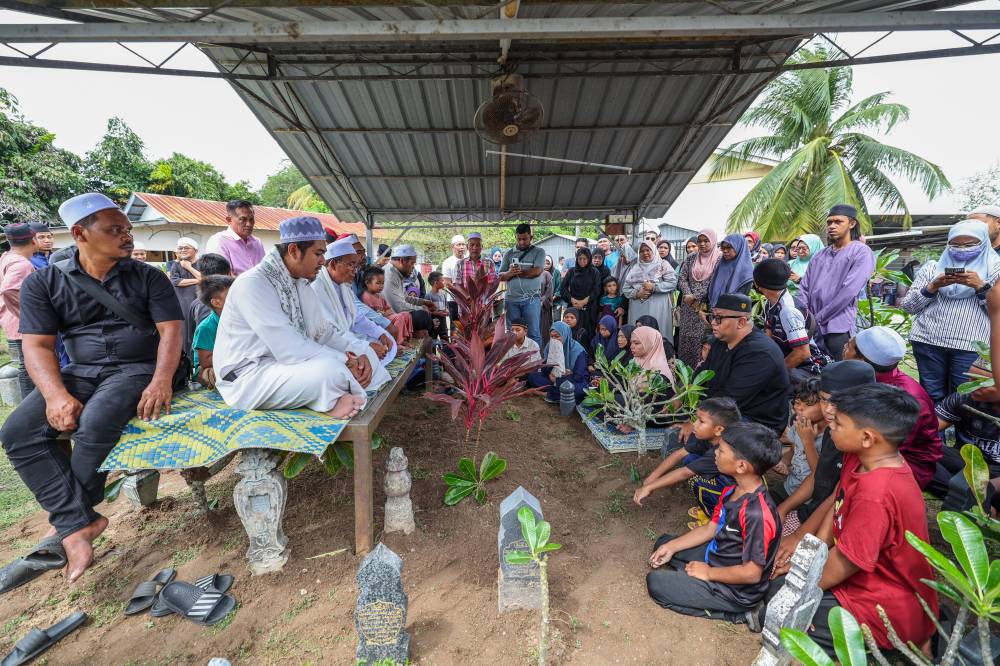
(205, 607)
(47, 555)
(213, 582)
(145, 592)
(38, 640)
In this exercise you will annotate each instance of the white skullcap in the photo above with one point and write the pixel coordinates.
(881, 345)
(73, 210)
(136, 245)
(993, 211)
(350, 238)
(184, 240)
(457, 238)
(340, 248)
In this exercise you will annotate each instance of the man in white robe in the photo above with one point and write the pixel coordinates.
(335, 290)
(274, 348)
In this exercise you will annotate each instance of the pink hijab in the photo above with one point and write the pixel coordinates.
(653, 357)
(704, 264)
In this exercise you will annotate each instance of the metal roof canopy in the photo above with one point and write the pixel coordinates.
(373, 101)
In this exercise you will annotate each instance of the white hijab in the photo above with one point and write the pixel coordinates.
(647, 271)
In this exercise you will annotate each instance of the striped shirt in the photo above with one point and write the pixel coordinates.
(947, 322)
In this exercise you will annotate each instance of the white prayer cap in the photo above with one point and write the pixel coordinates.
(403, 252)
(136, 245)
(73, 210)
(992, 211)
(350, 238)
(457, 238)
(340, 248)
(881, 345)
(184, 240)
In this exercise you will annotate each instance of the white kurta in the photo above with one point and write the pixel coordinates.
(278, 367)
(339, 306)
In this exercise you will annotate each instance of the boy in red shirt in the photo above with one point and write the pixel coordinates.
(876, 502)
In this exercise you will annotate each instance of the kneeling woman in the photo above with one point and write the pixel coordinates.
(647, 350)
(576, 366)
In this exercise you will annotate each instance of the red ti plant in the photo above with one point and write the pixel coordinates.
(480, 381)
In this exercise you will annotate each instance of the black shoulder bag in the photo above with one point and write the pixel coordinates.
(184, 368)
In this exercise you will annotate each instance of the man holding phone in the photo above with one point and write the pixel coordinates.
(522, 269)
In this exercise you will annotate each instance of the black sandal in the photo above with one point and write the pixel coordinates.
(47, 555)
(205, 607)
(145, 592)
(38, 640)
(211, 582)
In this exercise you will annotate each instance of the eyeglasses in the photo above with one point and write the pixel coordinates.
(964, 246)
(717, 319)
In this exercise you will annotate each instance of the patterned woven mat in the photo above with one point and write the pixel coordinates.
(201, 429)
(616, 442)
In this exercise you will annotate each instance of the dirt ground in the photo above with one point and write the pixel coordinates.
(304, 614)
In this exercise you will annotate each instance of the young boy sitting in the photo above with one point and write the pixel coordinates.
(805, 434)
(721, 569)
(522, 343)
(695, 462)
(438, 297)
(876, 503)
(212, 291)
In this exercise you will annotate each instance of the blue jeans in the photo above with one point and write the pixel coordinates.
(942, 369)
(530, 310)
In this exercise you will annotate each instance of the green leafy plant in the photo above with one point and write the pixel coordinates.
(469, 481)
(976, 382)
(338, 456)
(969, 578)
(536, 535)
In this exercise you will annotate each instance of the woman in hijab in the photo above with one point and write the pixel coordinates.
(734, 274)
(576, 366)
(809, 245)
(557, 303)
(608, 345)
(625, 342)
(571, 317)
(647, 321)
(946, 301)
(647, 351)
(547, 294)
(693, 279)
(581, 289)
(690, 247)
(496, 256)
(753, 243)
(598, 258)
(650, 286)
(663, 249)
(778, 251)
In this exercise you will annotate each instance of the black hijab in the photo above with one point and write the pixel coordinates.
(604, 270)
(670, 253)
(650, 320)
(583, 280)
(626, 332)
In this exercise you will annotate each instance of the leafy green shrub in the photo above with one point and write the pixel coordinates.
(536, 535)
(470, 482)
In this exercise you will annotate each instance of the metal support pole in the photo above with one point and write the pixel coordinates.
(370, 235)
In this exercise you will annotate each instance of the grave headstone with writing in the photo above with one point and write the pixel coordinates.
(380, 614)
(795, 603)
(518, 585)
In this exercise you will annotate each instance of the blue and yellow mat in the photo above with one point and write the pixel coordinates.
(614, 441)
(201, 429)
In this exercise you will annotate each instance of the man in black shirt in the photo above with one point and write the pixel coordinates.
(116, 371)
(749, 367)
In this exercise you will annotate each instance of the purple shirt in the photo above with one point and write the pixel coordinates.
(832, 283)
(242, 254)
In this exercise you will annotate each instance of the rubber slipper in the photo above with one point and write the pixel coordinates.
(204, 607)
(48, 554)
(38, 640)
(214, 582)
(145, 592)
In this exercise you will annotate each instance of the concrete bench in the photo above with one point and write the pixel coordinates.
(259, 496)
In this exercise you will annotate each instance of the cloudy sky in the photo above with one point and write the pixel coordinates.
(954, 104)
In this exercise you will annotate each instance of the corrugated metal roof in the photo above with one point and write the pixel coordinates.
(182, 210)
(387, 128)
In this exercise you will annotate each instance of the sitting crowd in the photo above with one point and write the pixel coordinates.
(801, 394)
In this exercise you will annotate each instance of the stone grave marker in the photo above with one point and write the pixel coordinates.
(796, 602)
(518, 585)
(398, 507)
(380, 613)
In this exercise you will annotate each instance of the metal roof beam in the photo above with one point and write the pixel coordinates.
(493, 176)
(647, 27)
(470, 130)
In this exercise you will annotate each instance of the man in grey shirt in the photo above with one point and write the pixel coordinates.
(522, 270)
(401, 268)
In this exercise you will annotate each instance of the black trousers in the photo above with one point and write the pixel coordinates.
(69, 487)
(422, 320)
(23, 380)
(834, 343)
(949, 483)
(671, 587)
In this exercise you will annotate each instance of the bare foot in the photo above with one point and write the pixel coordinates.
(346, 407)
(79, 548)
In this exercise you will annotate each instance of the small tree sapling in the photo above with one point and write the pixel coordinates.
(536, 535)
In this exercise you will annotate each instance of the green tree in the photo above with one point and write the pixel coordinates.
(980, 189)
(826, 153)
(35, 176)
(117, 165)
(280, 185)
(183, 176)
(241, 190)
(305, 198)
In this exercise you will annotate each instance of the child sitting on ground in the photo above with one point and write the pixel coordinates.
(212, 291)
(805, 435)
(374, 278)
(695, 462)
(605, 340)
(877, 502)
(612, 302)
(522, 343)
(571, 317)
(721, 569)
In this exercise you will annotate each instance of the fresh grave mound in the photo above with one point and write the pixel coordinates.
(614, 441)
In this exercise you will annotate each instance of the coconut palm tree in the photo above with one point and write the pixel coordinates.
(306, 198)
(825, 154)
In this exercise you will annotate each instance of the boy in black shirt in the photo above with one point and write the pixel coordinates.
(695, 461)
(722, 569)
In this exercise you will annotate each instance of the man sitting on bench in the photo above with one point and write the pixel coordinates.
(117, 371)
(274, 348)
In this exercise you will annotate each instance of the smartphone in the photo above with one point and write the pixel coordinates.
(951, 270)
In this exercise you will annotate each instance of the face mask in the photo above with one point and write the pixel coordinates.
(965, 254)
